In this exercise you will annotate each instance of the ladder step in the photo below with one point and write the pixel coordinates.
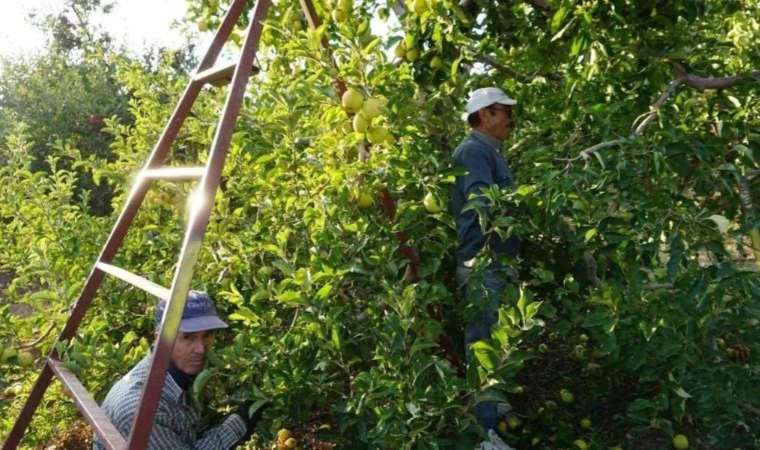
(135, 280)
(219, 76)
(174, 173)
(91, 411)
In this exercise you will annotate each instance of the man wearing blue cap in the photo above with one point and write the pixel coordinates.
(176, 425)
(490, 116)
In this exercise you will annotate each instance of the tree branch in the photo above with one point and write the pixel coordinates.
(703, 83)
(491, 61)
(541, 5)
(656, 107)
(586, 154)
(681, 77)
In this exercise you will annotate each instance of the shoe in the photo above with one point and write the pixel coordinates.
(496, 441)
(485, 445)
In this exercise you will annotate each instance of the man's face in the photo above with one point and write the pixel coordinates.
(189, 353)
(497, 121)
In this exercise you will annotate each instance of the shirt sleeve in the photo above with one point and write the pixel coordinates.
(221, 437)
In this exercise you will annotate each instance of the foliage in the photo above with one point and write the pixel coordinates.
(638, 287)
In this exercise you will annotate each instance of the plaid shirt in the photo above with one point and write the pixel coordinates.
(175, 425)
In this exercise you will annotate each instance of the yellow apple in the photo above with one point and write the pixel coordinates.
(283, 435)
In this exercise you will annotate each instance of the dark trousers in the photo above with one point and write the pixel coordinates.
(483, 294)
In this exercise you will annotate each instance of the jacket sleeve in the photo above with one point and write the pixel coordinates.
(221, 437)
(479, 175)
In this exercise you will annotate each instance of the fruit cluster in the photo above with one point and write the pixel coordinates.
(10, 355)
(285, 441)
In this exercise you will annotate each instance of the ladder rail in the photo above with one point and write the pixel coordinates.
(199, 218)
(101, 424)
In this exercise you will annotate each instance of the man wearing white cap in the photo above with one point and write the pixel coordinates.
(177, 425)
(490, 116)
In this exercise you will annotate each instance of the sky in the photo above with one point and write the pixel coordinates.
(134, 23)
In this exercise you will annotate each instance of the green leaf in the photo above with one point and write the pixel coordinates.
(244, 314)
(485, 354)
(335, 337)
(289, 297)
(324, 292)
(558, 18)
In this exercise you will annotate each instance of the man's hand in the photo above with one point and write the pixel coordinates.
(251, 418)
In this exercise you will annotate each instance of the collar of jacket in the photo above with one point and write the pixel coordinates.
(486, 139)
(171, 388)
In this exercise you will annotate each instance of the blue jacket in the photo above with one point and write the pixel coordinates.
(479, 155)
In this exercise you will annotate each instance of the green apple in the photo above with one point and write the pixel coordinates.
(514, 422)
(346, 5)
(372, 108)
(566, 396)
(420, 6)
(352, 100)
(400, 50)
(8, 353)
(581, 444)
(436, 63)
(339, 15)
(412, 55)
(586, 423)
(680, 442)
(410, 41)
(364, 200)
(431, 203)
(378, 135)
(25, 359)
(360, 123)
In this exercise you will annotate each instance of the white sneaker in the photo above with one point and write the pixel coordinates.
(486, 445)
(496, 441)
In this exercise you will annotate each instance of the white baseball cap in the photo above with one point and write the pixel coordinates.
(480, 98)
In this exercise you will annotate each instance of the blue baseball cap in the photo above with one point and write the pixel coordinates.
(199, 313)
